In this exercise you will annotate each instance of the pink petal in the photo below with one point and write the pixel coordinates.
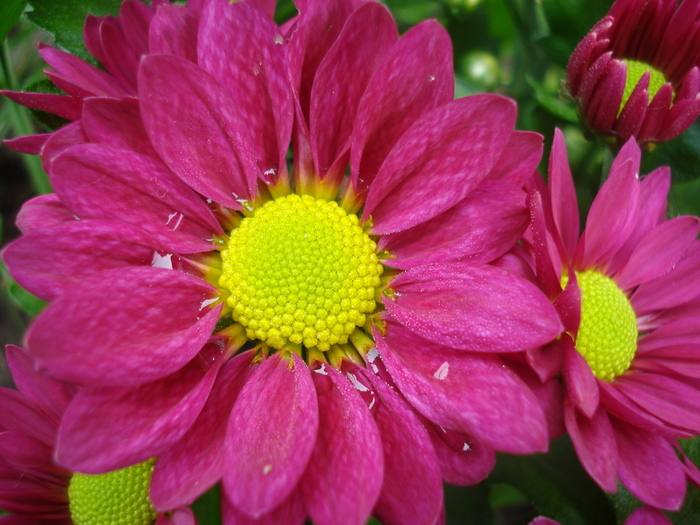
(594, 441)
(23, 452)
(463, 460)
(363, 42)
(647, 516)
(43, 211)
(561, 185)
(22, 415)
(31, 144)
(481, 227)
(666, 398)
(67, 107)
(177, 517)
(196, 129)
(271, 434)
(473, 307)
(415, 77)
(472, 393)
(50, 395)
(649, 467)
(438, 161)
(102, 182)
(174, 32)
(659, 251)
(125, 326)
(120, 59)
(116, 123)
(108, 428)
(520, 158)
(66, 137)
(347, 459)
(412, 490)
(581, 384)
(290, 512)
(242, 42)
(612, 216)
(196, 462)
(49, 261)
(135, 18)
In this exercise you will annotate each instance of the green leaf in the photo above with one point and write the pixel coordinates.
(27, 302)
(64, 20)
(208, 507)
(553, 102)
(557, 485)
(9, 13)
(682, 153)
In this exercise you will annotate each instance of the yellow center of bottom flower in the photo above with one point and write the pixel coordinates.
(300, 270)
(115, 498)
(607, 335)
(635, 70)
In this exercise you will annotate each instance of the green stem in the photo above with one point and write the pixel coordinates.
(22, 123)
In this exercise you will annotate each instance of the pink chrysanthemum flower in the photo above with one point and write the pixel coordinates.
(35, 490)
(298, 336)
(644, 515)
(630, 306)
(636, 72)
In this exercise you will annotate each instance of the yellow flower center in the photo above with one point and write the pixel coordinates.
(635, 70)
(116, 498)
(300, 270)
(607, 335)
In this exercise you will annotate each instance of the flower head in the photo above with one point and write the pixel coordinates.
(627, 291)
(636, 72)
(295, 333)
(34, 487)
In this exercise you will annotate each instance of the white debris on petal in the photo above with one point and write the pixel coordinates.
(321, 370)
(162, 261)
(441, 372)
(372, 354)
(359, 386)
(466, 447)
(267, 469)
(207, 302)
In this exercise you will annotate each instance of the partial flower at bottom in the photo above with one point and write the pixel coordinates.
(325, 340)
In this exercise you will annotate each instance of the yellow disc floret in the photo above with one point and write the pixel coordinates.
(635, 70)
(115, 498)
(300, 270)
(607, 335)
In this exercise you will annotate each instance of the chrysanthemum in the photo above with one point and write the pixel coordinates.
(324, 341)
(636, 72)
(34, 489)
(630, 308)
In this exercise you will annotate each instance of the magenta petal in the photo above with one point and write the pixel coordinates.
(49, 261)
(364, 40)
(659, 251)
(125, 326)
(520, 158)
(290, 512)
(120, 59)
(24, 452)
(473, 307)
(481, 227)
(271, 434)
(183, 516)
(472, 393)
(66, 137)
(192, 465)
(612, 216)
(102, 182)
(43, 211)
(196, 129)
(594, 441)
(412, 490)
(439, 160)
(242, 42)
(31, 144)
(647, 516)
(347, 460)
(581, 384)
(463, 460)
(116, 123)
(666, 398)
(564, 203)
(173, 31)
(51, 395)
(22, 415)
(649, 467)
(107, 428)
(67, 107)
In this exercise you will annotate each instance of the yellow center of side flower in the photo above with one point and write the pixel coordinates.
(300, 270)
(607, 335)
(115, 498)
(635, 70)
